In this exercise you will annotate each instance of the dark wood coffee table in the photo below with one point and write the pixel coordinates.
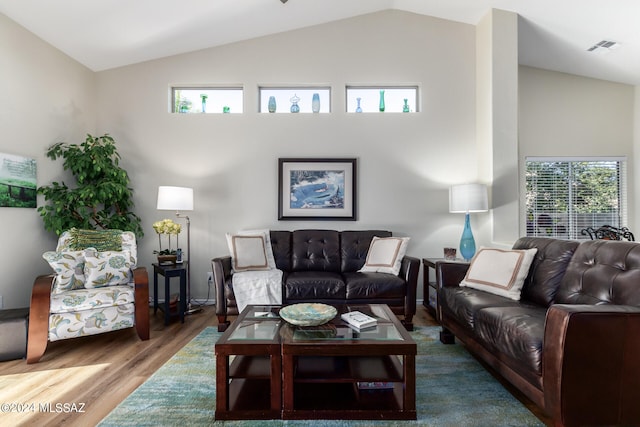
(266, 368)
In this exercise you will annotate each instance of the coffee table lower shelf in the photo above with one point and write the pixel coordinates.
(334, 401)
(347, 387)
(249, 394)
(249, 399)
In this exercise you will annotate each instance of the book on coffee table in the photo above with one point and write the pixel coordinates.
(359, 320)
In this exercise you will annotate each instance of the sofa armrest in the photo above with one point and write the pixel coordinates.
(409, 270)
(450, 274)
(221, 268)
(591, 373)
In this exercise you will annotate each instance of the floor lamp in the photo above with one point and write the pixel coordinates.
(468, 198)
(180, 199)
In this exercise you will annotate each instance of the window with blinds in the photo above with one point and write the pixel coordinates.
(565, 196)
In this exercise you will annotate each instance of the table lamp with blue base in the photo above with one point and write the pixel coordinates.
(468, 198)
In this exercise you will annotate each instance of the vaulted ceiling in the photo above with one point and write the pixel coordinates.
(104, 34)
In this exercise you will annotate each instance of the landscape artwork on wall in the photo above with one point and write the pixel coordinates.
(17, 181)
(317, 189)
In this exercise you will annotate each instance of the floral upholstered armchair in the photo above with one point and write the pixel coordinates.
(96, 288)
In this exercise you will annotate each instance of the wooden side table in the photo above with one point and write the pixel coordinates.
(430, 286)
(169, 271)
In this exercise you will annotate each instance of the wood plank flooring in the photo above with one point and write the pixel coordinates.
(94, 374)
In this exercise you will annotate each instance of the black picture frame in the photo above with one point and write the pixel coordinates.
(317, 189)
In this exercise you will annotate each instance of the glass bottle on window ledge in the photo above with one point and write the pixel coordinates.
(295, 108)
(315, 103)
(204, 102)
(272, 104)
(358, 109)
(381, 107)
(405, 107)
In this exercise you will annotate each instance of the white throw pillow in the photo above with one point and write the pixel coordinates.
(385, 255)
(251, 250)
(500, 272)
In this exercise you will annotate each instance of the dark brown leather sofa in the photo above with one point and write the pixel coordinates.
(322, 266)
(572, 343)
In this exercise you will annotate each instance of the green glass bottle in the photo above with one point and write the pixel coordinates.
(204, 97)
(382, 101)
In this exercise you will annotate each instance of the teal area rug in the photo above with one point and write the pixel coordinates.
(452, 389)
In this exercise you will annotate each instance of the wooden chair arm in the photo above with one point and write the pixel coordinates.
(141, 283)
(39, 317)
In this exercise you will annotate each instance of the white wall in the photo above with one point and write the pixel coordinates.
(567, 115)
(406, 161)
(497, 119)
(45, 97)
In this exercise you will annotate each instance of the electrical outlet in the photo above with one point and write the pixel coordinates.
(209, 277)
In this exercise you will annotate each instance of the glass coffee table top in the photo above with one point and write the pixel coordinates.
(263, 323)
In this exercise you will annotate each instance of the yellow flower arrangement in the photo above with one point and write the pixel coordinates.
(168, 227)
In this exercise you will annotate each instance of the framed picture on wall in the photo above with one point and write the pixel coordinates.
(17, 181)
(317, 189)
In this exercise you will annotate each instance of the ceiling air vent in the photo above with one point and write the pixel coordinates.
(603, 46)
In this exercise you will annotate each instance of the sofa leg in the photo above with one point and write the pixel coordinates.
(223, 323)
(407, 325)
(446, 337)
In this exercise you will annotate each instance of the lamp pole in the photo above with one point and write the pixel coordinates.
(189, 309)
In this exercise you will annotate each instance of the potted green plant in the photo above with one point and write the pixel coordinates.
(169, 228)
(101, 198)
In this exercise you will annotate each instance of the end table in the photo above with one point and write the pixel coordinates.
(430, 287)
(169, 271)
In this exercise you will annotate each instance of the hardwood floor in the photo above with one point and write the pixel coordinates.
(94, 374)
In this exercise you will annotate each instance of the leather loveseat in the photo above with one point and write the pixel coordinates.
(322, 266)
(572, 342)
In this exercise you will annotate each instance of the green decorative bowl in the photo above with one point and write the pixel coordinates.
(308, 314)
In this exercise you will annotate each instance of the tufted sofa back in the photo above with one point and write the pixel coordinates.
(354, 246)
(322, 250)
(315, 250)
(602, 272)
(548, 267)
(281, 245)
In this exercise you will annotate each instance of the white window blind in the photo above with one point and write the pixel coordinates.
(566, 195)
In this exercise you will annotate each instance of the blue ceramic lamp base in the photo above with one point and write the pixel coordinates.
(467, 243)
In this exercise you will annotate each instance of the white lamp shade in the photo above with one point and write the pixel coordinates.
(175, 198)
(468, 198)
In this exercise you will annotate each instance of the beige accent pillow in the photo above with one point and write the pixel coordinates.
(385, 255)
(500, 272)
(251, 250)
